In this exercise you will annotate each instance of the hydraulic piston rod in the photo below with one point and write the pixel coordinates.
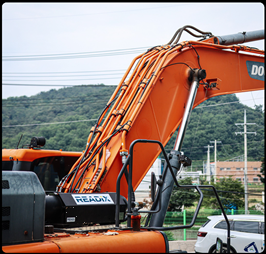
(157, 219)
(198, 75)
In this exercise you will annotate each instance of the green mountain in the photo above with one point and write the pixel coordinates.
(77, 108)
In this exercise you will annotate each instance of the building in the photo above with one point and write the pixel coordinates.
(235, 169)
(143, 190)
(195, 175)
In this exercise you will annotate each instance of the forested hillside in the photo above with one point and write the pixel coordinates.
(70, 104)
(65, 116)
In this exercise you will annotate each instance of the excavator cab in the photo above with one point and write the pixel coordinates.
(49, 165)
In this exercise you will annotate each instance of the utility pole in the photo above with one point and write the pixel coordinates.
(208, 173)
(245, 155)
(215, 151)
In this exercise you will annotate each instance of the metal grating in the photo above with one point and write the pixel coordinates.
(5, 184)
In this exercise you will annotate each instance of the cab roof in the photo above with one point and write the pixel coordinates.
(31, 154)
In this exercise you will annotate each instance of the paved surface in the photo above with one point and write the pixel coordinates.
(188, 245)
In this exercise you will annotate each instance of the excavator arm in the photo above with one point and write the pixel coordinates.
(150, 100)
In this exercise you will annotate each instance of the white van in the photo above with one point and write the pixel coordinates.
(246, 234)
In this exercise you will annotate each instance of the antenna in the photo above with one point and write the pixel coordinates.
(19, 140)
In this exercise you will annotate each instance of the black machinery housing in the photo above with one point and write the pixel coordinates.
(79, 209)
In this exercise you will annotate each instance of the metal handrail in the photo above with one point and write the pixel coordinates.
(130, 188)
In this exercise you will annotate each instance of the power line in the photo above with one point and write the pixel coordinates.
(23, 125)
(225, 103)
(59, 103)
(60, 79)
(57, 98)
(219, 104)
(78, 53)
(9, 84)
(199, 147)
(79, 85)
(74, 75)
(75, 55)
(89, 14)
(26, 104)
(57, 72)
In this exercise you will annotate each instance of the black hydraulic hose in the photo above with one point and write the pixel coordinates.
(132, 100)
(176, 33)
(179, 35)
(195, 35)
(179, 32)
(82, 159)
(100, 147)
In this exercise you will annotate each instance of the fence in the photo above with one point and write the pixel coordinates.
(185, 217)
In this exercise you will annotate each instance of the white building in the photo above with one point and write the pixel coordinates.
(194, 175)
(143, 189)
(212, 169)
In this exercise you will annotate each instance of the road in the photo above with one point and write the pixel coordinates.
(183, 245)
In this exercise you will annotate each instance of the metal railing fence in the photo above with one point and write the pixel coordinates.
(185, 217)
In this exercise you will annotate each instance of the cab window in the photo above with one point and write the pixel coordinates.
(7, 165)
(50, 170)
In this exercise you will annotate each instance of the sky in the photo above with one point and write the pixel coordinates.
(50, 45)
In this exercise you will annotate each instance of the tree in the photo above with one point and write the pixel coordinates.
(262, 170)
(182, 196)
(230, 192)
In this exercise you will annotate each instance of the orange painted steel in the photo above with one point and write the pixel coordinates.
(38, 247)
(30, 154)
(126, 241)
(152, 102)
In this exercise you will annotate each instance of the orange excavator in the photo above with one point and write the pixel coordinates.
(155, 97)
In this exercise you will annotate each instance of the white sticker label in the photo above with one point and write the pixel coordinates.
(85, 199)
(71, 219)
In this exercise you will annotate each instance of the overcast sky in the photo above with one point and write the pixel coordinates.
(93, 43)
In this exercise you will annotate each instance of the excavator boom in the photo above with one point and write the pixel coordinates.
(149, 103)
